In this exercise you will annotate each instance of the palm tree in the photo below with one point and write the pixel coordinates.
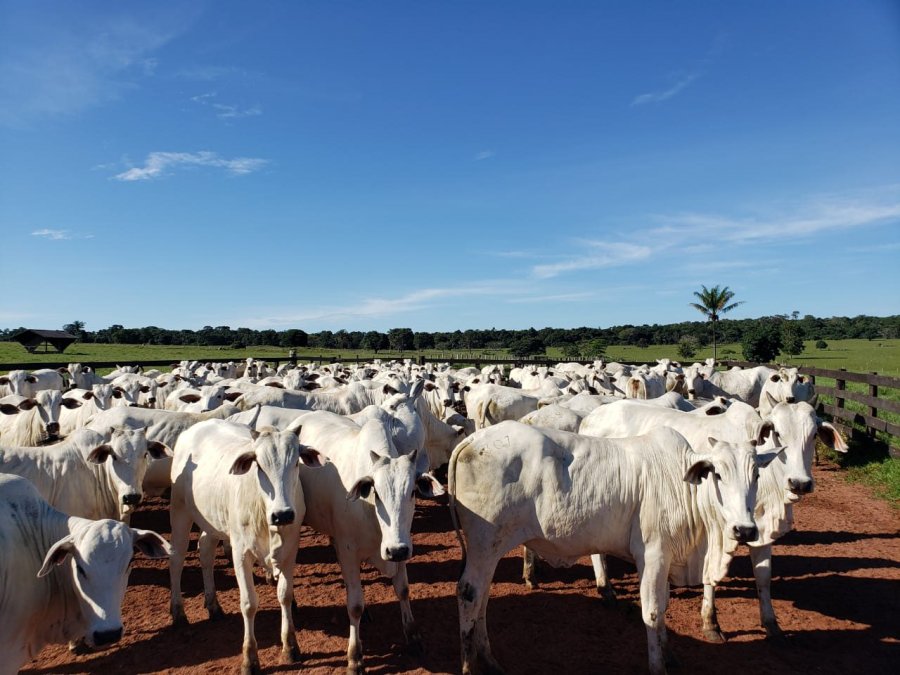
(713, 303)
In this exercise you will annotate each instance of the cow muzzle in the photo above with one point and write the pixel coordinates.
(397, 553)
(53, 429)
(744, 533)
(800, 487)
(132, 499)
(285, 517)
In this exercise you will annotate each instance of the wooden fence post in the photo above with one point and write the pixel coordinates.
(873, 410)
(839, 385)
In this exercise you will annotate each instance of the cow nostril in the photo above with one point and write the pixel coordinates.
(744, 533)
(790, 399)
(285, 517)
(107, 637)
(801, 486)
(398, 553)
(447, 402)
(132, 499)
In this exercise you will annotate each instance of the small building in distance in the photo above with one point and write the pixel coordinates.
(32, 339)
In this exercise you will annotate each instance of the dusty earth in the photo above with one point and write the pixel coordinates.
(836, 588)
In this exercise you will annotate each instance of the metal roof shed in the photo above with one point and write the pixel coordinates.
(32, 338)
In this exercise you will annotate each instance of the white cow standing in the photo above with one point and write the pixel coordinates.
(240, 486)
(89, 474)
(62, 578)
(649, 499)
(364, 499)
(32, 421)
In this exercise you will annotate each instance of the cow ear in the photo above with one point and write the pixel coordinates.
(242, 464)
(765, 431)
(715, 410)
(118, 392)
(189, 398)
(57, 555)
(698, 471)
(763, 459)
(429, 386)
(27, 404)
(8, 409)
(62, 371)
(88, 395)
(428, 487)
(831, 437)
(275, 385)
(361, 489)
(31, 379)
(99, 454)
(158, 450)
(233, 396)
(389, 390)
(145, 388)
(311, 457)
(150, 544)
(71, 403)
(774, 377)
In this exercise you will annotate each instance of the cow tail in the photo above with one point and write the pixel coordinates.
(451, 492)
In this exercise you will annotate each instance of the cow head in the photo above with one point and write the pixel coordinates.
(96, 558)
(125, 455)
(731, 474)
(276, 456)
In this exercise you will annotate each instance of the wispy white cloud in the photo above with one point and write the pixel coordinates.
(225, 110)
(484, 154)
(680, 84)
(59, 235)
(159, 164)
(559, 297)
(69, 61)
(603, 254)
(808, 220)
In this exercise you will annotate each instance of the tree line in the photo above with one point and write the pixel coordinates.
(572, 341)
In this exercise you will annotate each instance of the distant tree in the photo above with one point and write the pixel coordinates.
(571, 351)
(762, 343)
(293, 337)
(593, 349)
(401, 339)
(714, 302)
(821, 344)
(791, 338)
(527, 346)
(688, 346)
(423, 341)
(75, 328)
(374, 340)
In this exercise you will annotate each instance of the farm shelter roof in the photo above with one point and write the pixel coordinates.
(32, 338)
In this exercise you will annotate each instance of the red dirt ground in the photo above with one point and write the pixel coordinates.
(836, 588)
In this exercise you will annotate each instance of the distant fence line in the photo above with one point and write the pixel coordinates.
(849, 420)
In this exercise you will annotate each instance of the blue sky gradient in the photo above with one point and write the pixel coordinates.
(360, 165)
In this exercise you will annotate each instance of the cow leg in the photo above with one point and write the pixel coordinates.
(472, 594)
(653, 569)
(355, 606)
(761, 556)
(290, 648)
(207, 549)
(243, 570)
(604, 588)
(181, 533)
(711, 630)
(410, 629)
(528, 573)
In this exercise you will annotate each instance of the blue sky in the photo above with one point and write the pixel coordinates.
(444, 165)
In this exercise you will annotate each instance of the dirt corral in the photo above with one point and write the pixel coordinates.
(836, 588)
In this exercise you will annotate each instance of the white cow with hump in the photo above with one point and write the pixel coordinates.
(32, 421)
(364, 499)
(62, 578)
(89, 474)
(651, 499)
(242, 487)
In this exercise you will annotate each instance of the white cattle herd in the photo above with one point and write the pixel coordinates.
(670, 468)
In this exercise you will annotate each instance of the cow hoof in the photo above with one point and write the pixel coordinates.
(713, 635)
(79, 648)
(251, 668)
(215, 613)
(774, 633)
(179, 619)
(291, 655)
(531, 584)
(607, 595)
(356, 668)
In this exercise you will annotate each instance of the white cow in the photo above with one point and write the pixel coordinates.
(23, 383)
(84, 377)
(90, 475)
(746, 384)
(94, 400)
(242, 487)
(364, 500)
(208, 397)
(649, 499)
(351, 399)
(32, 421)
(164, 426)
(788, 385)
(554, 416)
(61, 578)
